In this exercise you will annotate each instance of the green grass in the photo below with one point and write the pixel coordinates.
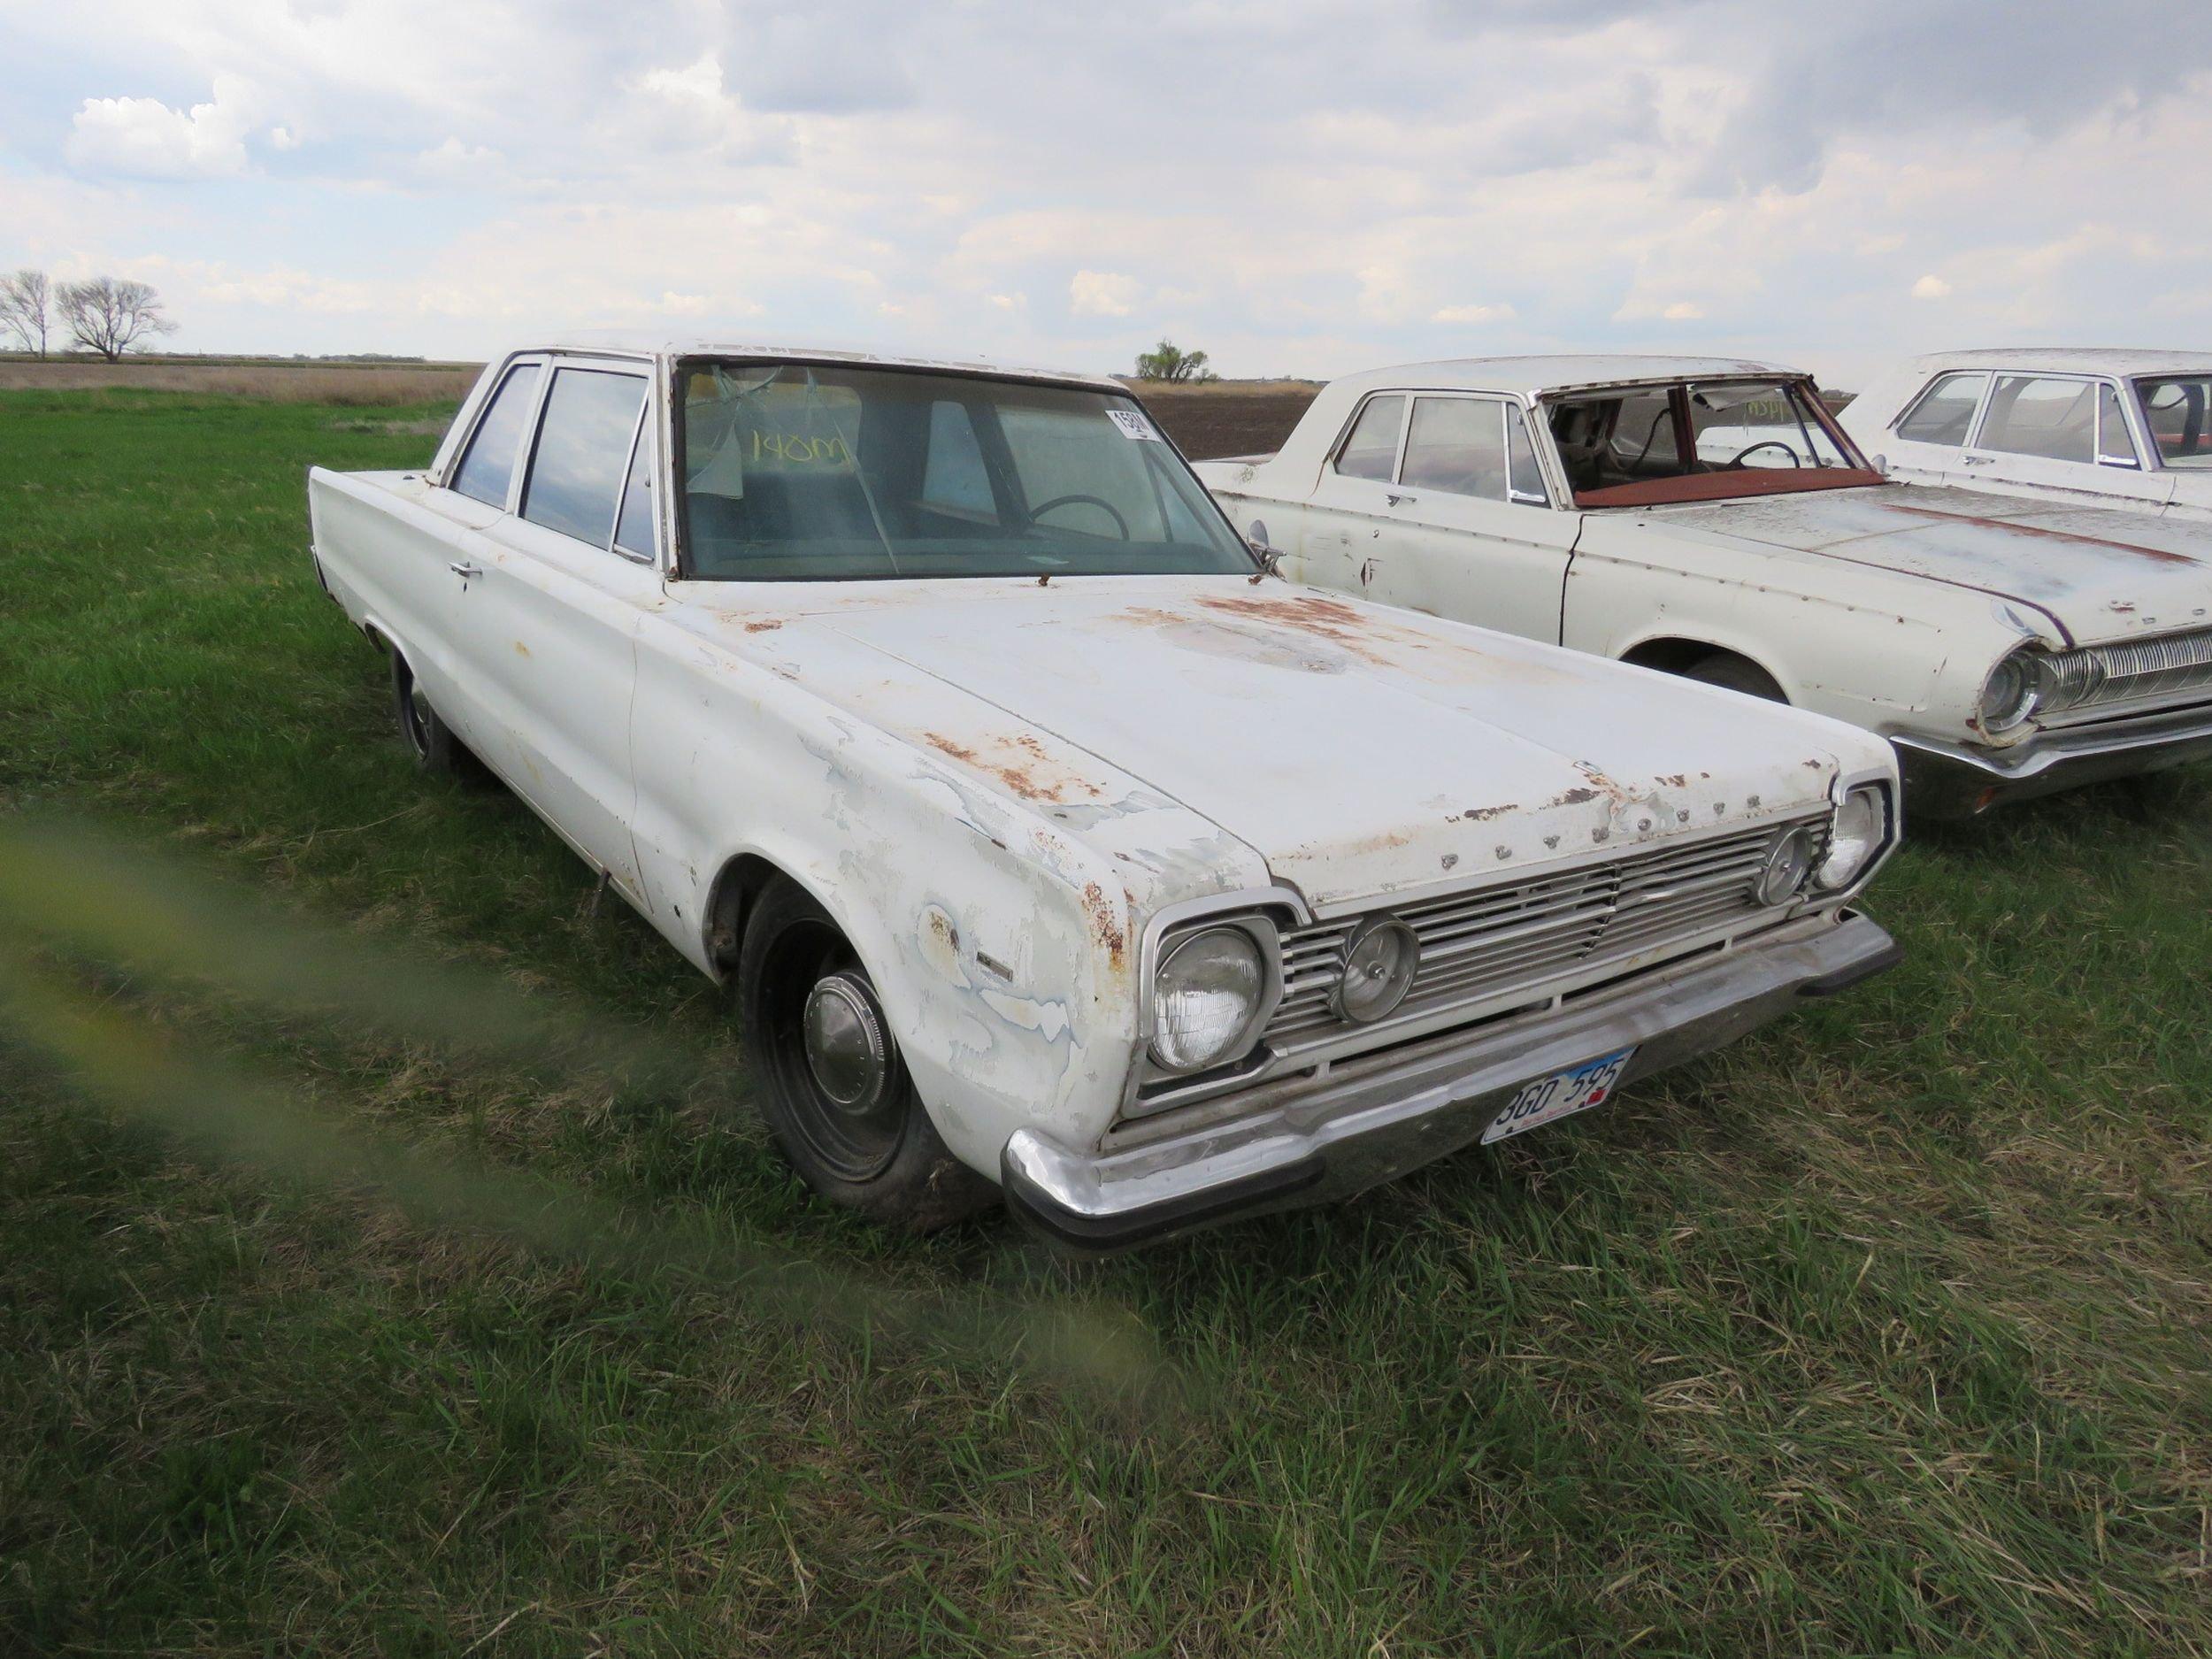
(387, 1264)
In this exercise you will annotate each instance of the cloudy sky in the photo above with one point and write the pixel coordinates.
(1297, 188)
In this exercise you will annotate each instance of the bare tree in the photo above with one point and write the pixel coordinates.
(26, 304)
(110, 316)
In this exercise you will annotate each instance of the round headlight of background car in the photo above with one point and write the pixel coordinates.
(2010, 693)
(1206, 998)
(1861, 825)
(1377, 969)
(1788, 867)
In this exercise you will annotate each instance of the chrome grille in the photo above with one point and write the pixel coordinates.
(2097, 675)
(1513, 937)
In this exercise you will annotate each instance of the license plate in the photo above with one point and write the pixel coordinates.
(1563, 1094)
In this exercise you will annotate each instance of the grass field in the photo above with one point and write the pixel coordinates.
(387, 1264)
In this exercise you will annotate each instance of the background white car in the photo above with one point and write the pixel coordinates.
(1706, 516)
(2121, 428)
(1048, 841)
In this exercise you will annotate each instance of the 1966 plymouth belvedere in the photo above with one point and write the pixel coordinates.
(2102, 427)
(1048, 839)
(1708, 517)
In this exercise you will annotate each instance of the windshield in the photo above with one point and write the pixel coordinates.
(799, 472)
(1699, 441)
(2176, 411)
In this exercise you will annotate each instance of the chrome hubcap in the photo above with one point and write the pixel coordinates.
(846, 1049)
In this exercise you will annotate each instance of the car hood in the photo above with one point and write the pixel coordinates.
(2098, 573)
(1359, 751)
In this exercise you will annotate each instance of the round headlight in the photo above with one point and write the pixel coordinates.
(1787, 868)
(2010, 693)
(1860, 827)
(1206, 997)
(1377, 969)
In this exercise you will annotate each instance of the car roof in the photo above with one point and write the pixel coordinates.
(1532, 375)
(638, 343)
(2072, 360)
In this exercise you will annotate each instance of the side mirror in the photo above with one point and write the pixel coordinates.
(1880, 463)
(1271, 558)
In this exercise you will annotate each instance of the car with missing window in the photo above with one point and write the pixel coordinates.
(1052, 845)
(2114, 428)
(1708, 517)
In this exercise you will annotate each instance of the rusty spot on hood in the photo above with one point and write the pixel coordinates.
(1021, 772)
(763, 625)
(1105, 922)
(1477, 814)
(2072, 538)
(1572, 797)
(1331, 619)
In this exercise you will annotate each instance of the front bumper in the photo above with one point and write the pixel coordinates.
(1377, 1118)
(1952, 780)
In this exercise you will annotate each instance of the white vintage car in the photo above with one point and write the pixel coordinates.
(2114, 428)
(1048, 840)
(1706, 516)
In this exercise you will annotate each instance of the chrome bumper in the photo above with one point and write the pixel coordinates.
(1952, 780)
(1373, 1119)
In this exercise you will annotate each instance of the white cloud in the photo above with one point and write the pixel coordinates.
(1010, 301)
(1931, 287)
(1470, 314)
(143, 138)
(455, 160)
(282, 138)
(1102, 294)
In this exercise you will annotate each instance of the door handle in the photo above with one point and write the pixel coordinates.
(464, 569)
(1978, 460)
(1398, 501)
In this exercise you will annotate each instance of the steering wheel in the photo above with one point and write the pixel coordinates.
(1767, 443)
(1120, 523)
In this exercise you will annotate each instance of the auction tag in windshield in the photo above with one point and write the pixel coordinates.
(1563, 1094)
(1132, 424)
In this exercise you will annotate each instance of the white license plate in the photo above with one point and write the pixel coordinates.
(1563, 1094)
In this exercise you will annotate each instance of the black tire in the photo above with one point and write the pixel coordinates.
(879, 1155)
(1733, 674)
(428, 738)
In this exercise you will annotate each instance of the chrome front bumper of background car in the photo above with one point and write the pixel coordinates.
(1944, 779)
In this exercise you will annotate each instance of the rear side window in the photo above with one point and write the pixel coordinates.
(583, 452)
(489, 466)
(2053, 419)
(1371, 449)
(1946, 410)
(1457, 445)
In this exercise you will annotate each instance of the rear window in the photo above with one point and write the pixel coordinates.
(1945, 412)
(488, 467)
(2178, 412)
(1371, 449)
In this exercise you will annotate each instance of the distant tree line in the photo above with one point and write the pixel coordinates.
(101, 314)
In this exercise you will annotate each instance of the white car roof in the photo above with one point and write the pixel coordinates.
(2072, 360)
(641, 344)
(1530, 376)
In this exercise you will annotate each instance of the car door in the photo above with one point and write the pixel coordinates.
(424, 599)
(555, 603)
(1923, 446)
(1337, 537)
(2058, 434)
(1472, 533)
